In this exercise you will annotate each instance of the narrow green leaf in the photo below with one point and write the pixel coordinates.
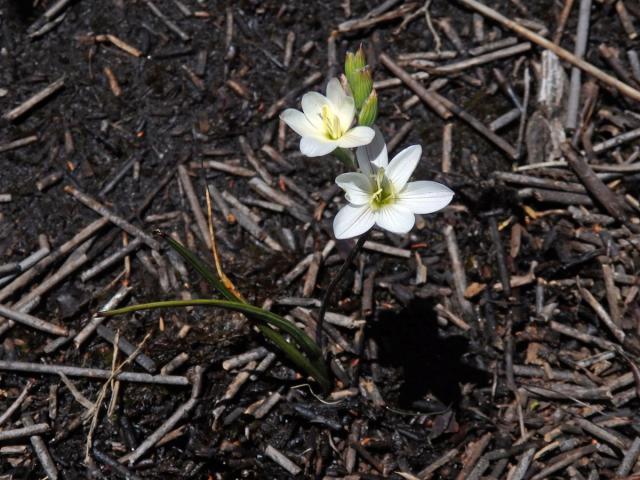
(316, 370)
(314, 365)
(202, 268)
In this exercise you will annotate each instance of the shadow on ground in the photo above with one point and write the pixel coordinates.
(431, 364)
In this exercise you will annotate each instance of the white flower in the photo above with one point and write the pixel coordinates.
(380, 195)
(326, 122)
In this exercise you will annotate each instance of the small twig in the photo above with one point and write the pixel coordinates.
(114, 465)
(561, 52)
(562, 21)
(41, 450)
(602, 314)
(16, 403)
(34, 100)
(33, 322)
(459, 277)
(425, 95)
(169, 23)
(92, 373)
(175, 363)
(366, 22)
(96, 319)
(522, 467)
(282, 460)
(630, 458)
(440, 462)
(160, 432)
(609, 201)
(99, 208)
(21, 142)
(481, 59)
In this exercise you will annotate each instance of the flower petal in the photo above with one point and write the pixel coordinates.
(403, 165)
(374, 153)
(357, 187)
(298, 122)
(312, 103)
(335, 92)
(395, 219)
(345, 112)
(316, 146)
(424, 197)
(356, 137)
(352, 221)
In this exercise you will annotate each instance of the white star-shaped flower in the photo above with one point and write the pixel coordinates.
(325, 123)
(381, 194)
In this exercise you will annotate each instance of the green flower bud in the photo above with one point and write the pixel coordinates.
(353, 63)
(361, 86)
(369, 111)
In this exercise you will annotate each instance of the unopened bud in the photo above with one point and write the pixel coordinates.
(354, 62)
(369, 111)
(362, 86)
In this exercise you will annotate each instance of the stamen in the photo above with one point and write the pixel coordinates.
(331, 123)
(384, 193)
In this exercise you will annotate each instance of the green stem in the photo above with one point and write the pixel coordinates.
(345, 156)
(334, 283)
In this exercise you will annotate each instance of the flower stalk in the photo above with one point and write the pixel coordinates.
(357, 248)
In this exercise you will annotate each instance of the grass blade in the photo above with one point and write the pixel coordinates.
(314, 365)
(202, 268)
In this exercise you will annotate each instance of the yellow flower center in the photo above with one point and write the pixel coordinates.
(384, 194)
(331, 123)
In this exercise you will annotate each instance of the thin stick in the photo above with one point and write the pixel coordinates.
(169, 23)
(482, 59)
(459, 277)
(174, 363)
(440, 462)
(523, 465)
(630, 458)
(607, 198)
(477, 125)
(562, 21)
(96, 319)
(334, 283)
(626, 21)
(34, 100)
(92, 373)
(21, 142)
(447, 145)
(29, 301)
(160, 432)
(99, 208)
(33, 322)
(616, 142)
(25, 431)
(602, 314)
(282, 460)
(194, 203)
(41, 450)
(425, 95)
(16, 403)
(110, 260)
(561, 52)
(525, 106)
(114, 465)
